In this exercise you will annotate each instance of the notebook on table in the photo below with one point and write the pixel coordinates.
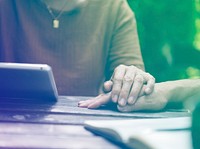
(27, 81)
(159, 133)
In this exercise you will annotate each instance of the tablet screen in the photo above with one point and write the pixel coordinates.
(27, 81)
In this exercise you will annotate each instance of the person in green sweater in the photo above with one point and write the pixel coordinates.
(86, 42)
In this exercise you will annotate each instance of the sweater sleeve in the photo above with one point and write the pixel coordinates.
(124, 47)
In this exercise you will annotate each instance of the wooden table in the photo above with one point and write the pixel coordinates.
(29, 125)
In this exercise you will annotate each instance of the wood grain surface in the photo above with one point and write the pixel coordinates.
(26, 124)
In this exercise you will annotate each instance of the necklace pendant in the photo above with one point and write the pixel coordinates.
(55, 23)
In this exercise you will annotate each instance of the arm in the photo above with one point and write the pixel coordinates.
(164, 93)
(183, 91)
(124, 44)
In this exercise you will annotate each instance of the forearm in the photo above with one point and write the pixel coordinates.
(181, 90)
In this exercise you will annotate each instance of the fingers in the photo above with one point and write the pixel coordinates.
(117, 82)
(85, 103)
(136, 88)
(127, 84)
(100, 101)
(150, 83)
(126, 87)
(148, 102)
(140, 104)
(95, 102)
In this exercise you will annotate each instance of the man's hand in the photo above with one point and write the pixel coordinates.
(157, 100)
(126, 84)
(96, 101)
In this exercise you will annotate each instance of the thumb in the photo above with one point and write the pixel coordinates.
(107, 86)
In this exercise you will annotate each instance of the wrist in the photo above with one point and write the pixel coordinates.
(168, 90)
(181, 90)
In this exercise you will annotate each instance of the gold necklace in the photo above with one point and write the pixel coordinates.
(55, 18)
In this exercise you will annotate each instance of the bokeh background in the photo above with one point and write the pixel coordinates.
(169, 32)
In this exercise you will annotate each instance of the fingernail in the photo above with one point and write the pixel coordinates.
(79, 104)
(82, 105)
(122, 102)
(115, 98)
(131, 100)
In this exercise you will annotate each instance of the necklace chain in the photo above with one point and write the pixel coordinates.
(54, 17)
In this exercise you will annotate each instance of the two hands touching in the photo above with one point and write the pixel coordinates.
(131, 89)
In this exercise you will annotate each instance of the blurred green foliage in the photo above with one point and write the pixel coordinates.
(197, 24)
(169, 32)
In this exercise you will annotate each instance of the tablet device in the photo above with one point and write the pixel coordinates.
(27, 81)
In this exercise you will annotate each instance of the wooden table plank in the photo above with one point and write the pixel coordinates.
(44, 129)
(23, 135)
(68, 105)
(53, 142)
(48, 118)
(45, 118)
